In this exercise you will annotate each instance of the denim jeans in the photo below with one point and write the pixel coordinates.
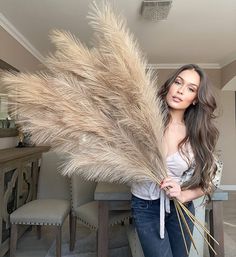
(146, 215)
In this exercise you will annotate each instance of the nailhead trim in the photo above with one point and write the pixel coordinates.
(37, 223)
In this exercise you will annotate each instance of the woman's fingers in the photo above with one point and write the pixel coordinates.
(167, 179)
(171, 187)
(169, 183)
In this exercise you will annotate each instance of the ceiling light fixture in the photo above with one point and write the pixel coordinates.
(155, 10)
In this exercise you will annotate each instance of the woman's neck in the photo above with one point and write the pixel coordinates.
(177, 116)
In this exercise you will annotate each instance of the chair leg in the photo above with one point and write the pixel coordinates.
(72, 231)
(97, 240)
(38, 227)
(58, 241)
(13, 240)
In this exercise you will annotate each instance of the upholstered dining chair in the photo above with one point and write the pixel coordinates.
(85, 209)
(52, 205)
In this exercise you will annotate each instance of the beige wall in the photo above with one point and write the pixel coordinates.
(227, 139)
(16, 55)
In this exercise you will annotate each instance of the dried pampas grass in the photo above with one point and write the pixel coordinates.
(97, 105)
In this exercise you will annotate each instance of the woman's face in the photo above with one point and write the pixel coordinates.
(183, 92)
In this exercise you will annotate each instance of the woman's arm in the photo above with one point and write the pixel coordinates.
(174, 190)
(190, 194)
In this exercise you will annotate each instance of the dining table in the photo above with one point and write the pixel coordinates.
(112, 196)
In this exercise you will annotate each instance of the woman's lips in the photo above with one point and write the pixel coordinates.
(176, 99)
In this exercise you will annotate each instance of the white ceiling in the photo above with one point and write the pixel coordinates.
(196, 31)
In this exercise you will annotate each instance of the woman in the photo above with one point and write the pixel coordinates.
(189, 143)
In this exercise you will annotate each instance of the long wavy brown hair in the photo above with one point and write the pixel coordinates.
(201, 133)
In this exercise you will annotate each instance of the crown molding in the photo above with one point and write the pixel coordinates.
(162, 66)
(9, 27)
(228, 60)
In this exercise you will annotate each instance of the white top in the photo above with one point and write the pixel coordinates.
(177, 166)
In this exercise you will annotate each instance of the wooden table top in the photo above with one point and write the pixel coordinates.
(112, 191)
(17, 153)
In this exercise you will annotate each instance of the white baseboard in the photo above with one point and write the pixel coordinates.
(228, 187)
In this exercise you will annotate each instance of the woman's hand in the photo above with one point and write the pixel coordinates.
(172, 189)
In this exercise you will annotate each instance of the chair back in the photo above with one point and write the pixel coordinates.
(82, 191)
(51, 184)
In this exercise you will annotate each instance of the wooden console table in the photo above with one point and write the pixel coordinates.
(18, 184)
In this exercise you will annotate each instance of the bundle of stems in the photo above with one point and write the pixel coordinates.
(97, 105)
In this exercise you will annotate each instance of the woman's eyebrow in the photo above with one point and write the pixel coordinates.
(189, 83)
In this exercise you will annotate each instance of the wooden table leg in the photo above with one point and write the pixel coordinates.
(103, 219)
(216, 227)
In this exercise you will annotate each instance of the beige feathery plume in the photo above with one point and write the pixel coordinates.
(99, 105)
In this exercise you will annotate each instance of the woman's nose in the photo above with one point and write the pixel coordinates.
(180, 90)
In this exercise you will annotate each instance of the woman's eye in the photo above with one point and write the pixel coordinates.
(191, 89)
(177, 82)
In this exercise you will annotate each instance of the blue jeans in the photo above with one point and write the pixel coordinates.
(146, 215)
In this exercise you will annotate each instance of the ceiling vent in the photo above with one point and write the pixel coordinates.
(155, 10)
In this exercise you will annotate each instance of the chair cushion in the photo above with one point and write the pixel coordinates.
(88, 215)
(42, 212)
